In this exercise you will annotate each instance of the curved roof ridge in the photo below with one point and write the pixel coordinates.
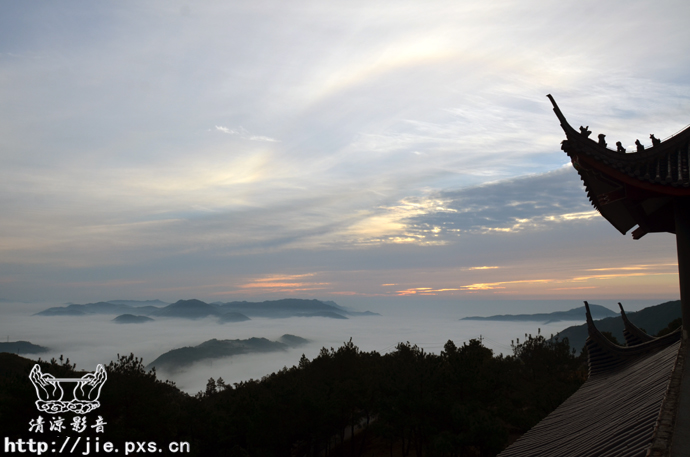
(631, 188)
(604, 356)
(662, 167)
(673, 141)
(633, 334)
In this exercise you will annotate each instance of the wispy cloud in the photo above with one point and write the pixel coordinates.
(423, 291)
(651, 270)
(243, 133)
(502, 284)
(283, 284)
(573, 288)
(635, 267)
(329, 133)
(535, 202)
(624, 275)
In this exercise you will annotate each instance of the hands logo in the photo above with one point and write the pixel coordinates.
(85, 394)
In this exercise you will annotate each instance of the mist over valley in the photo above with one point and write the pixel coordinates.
(90, 338)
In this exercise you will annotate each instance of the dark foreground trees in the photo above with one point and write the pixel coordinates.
(465, 401)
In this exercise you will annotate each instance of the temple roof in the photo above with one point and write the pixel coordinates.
(633, 335)
(635, 188)
(618, 410)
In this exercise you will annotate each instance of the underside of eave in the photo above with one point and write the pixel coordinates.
(623, 204)
(615, 212)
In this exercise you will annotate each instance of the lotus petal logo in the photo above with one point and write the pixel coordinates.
(85, 393)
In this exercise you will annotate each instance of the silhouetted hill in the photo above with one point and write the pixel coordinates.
(290, 307)
(138, 303)
(465, 391)
(22, 347)
(651, 319)
(575, 314)
(226, 312)
(348, 311)
(232, 316)
(190, 309)
(12, 365)
(276, 307)
(292, 340)
(329, 314)
(71, 310)
(215, 349)
(131, 319)
(90, 308)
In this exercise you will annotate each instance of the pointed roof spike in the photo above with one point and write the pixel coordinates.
(618, 184)
(564, 123)
(633, 335)
(603, 355)
(615, 404)
(589, 316)
(594, 332)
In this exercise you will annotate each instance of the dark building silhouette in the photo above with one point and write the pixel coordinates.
(636, 401)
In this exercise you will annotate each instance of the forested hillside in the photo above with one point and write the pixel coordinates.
(464, 401)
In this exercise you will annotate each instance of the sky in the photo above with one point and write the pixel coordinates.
(353, 151)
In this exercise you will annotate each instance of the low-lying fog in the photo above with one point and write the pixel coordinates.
(93, 339)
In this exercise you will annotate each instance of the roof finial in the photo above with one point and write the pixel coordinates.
(602, 140)
(559, 114)
(588, 314)
(632, 334)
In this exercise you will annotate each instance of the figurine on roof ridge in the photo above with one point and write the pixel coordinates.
(640, 146)
(602, 140)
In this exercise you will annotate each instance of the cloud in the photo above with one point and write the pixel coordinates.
(244, 134)
(634, 267)
(534, 202)
(503, 284)
(661, 269)
(337, 134)
(281, 284)
(423, 291)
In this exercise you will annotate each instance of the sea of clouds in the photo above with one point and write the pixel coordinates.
(93, 339)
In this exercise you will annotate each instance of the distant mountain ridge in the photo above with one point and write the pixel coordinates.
(652, 319)
(131, 319)
(139, 302)
(575, 314)
(22, 347)
(177, 359)
(225, 312)
(292, 307)
(190, 309)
